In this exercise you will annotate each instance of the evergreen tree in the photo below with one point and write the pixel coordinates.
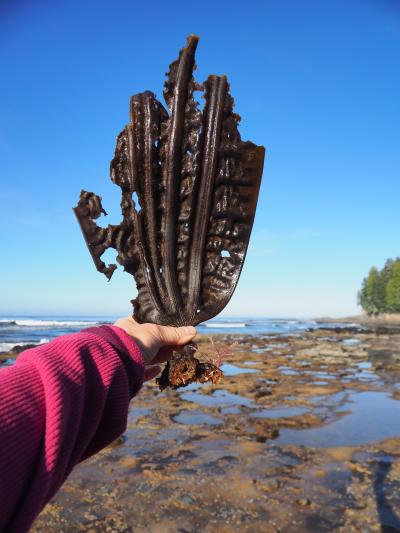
(362, 295)
(372, 296)
(387, 270)
(393, 289)
(380, 290)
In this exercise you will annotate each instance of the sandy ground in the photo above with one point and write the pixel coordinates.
(302, 435)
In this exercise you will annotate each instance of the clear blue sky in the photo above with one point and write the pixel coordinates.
(316, 82)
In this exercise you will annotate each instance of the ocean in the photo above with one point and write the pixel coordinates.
(23, 330)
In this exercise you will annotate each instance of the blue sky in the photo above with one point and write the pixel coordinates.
(316, 82)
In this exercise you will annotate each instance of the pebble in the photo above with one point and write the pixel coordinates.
(269, 485)
(185, 498)
(303, 502)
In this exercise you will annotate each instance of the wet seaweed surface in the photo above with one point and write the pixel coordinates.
(302, 435)
(189, 189)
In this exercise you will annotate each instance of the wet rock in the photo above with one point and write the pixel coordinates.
(118, 442)
(268, 485)
(267, 391)
(265, 434)
(234, 477)
(16, 350)
(185, 498)
(129, 461)
(90, 516)
(303, 502)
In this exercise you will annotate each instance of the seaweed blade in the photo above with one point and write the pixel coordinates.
(185, 237)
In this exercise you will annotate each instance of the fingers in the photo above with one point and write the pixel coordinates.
(128, 324)
(151, 372)
(170, 336)
(152, 338)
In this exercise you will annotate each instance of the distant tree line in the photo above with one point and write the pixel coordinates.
(380, 290)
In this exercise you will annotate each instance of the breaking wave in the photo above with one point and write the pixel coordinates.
(7, 346)
(30, 323)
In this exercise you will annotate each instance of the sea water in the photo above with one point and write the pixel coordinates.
(23, 330)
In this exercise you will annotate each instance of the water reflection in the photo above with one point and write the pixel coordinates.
(196, 417)
(231, 370)
(369, 417)
(217, 398)
(282, 412)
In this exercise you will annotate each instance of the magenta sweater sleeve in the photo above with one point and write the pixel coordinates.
(60, 403)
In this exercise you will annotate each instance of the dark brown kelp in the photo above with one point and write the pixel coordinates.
(196, 186)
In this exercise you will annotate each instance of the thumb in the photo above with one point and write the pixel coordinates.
(170, 336)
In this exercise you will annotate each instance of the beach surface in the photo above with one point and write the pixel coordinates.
(302, 434)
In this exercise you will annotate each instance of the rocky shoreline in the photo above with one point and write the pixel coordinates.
(390, 321)
(9, 356)
(302, 434)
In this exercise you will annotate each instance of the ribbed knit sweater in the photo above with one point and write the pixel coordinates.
(59, 404)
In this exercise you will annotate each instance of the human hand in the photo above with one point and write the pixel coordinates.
(156, 342)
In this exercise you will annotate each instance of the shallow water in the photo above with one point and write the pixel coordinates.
(371, 416)
(231, 370)
(230, 411)
(137, 412)
(364, 365)
(8, 362)
(321, 375)
(351, 342)
(217, 399)
(160, 473)
(365, 373)
(262, 349)
(280, 412)
(287, 371)
(338, 398)
(196, 418)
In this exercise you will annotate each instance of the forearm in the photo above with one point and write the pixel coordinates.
(59, 404)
